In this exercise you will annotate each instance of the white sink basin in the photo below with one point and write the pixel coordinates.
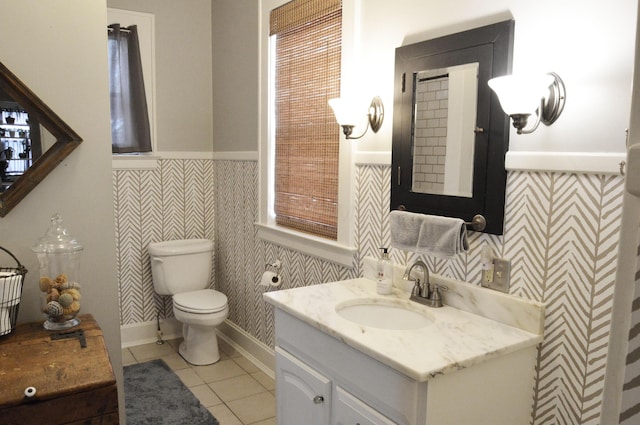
(383, 314)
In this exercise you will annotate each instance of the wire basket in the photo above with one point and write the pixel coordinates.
(11, 282)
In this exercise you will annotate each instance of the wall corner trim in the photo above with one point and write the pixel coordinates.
(565, 162)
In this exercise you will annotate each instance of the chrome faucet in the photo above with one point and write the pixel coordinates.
(423, 292)
(419, 289)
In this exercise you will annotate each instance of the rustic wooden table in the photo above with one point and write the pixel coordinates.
(69, 370)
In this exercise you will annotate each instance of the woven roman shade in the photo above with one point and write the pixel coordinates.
(307, 74)
(297, 13)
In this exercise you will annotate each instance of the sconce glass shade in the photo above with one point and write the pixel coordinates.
(519, 95)
(349, 113)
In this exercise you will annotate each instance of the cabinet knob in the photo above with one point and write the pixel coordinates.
(30, 392)
(318, 399)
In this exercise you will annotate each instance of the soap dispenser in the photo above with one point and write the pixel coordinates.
(385, 273)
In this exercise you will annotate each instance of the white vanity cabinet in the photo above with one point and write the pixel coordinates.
(349, 410)
(304, 395)
(354, 388)
(471, 363)
(322, 380)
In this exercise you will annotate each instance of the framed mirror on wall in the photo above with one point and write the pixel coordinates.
(450, 135)
(33, 140)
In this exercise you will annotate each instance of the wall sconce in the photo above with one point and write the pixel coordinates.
(521, 96)
(348, 114)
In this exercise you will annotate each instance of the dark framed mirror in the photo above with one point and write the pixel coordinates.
(450, 135)
(33, 140)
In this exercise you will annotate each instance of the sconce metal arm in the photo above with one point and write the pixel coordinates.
(374, 120)
(551, 106)
(348, 129)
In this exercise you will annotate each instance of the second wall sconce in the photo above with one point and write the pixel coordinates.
(349, 114)
(521, 96)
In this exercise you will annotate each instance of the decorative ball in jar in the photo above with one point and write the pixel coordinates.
(59, 259)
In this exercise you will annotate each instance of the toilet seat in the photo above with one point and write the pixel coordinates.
(200, 302)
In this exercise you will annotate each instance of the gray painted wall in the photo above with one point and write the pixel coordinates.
(183, 71)
(235, 75)
(59, 51)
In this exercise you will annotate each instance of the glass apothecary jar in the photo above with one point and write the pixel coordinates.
(59, 258)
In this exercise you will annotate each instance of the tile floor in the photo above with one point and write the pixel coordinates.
(234, 390)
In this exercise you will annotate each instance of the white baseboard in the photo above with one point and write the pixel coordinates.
(146, 332)
(257, 352)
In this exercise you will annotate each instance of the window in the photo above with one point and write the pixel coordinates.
(302, 158)
(124, 136)
(307, 74)
(130, 132)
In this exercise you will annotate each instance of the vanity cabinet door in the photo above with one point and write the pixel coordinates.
(350, 410)
(303, 395)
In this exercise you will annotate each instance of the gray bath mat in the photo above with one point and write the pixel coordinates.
(154, 395)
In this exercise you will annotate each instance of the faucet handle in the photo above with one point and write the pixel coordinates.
(416, 286)
(439, 288)
(436, 300)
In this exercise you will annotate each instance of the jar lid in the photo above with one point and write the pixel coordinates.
(57, 239)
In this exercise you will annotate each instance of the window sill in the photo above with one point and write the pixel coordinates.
(134, 162)
(319, 247)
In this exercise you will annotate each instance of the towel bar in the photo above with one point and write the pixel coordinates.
(478, 223)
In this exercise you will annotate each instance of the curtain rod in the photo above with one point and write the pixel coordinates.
(121, 29)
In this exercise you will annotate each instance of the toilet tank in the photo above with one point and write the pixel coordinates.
(180, 265)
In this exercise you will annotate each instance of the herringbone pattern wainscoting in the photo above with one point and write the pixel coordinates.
(561, 234)
(577, 229)
(242, 257)
(239, 259)
(630, 412)
(171, 202)
(373, 195)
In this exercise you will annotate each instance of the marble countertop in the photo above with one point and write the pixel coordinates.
(456, 339)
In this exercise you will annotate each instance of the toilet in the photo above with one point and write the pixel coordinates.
(181, 268)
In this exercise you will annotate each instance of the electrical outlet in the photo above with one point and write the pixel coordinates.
(487, 276)
(501, 275)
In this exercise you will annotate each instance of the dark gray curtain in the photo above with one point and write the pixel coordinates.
(129, 114)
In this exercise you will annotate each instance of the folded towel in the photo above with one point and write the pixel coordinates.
(441, 237)
(5, 322)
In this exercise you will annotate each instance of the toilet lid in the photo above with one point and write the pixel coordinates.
(202, 301)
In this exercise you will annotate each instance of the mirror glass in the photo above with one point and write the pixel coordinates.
(33, 140)
(22, 142)
(443, 123)
(450, 136)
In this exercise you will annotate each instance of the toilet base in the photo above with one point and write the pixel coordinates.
(200, 345)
